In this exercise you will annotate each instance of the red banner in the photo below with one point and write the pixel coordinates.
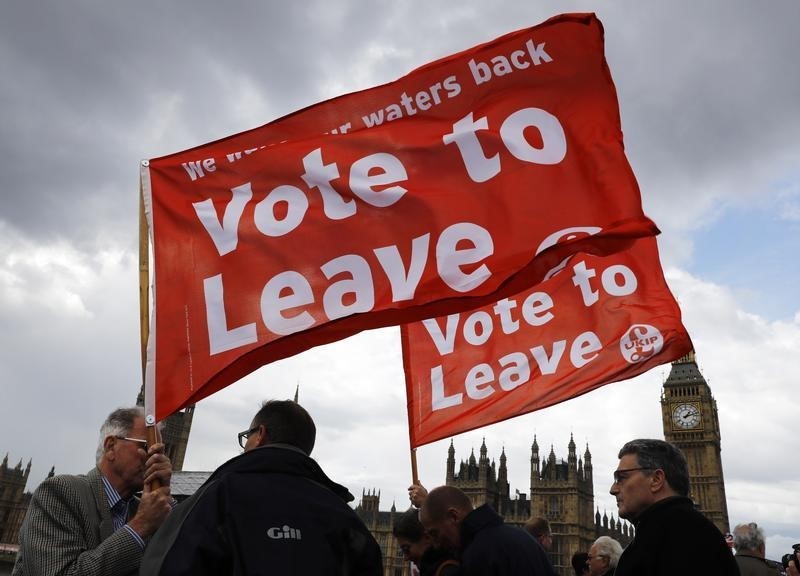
(597, 320)
(462, 182)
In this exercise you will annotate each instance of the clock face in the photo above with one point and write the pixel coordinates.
(686, 415)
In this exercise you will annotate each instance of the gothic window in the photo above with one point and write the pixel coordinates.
(553, 507)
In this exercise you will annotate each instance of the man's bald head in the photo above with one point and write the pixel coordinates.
(442, 513)
(444, 497)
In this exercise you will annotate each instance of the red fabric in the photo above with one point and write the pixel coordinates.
(617, 308)
(490, 167)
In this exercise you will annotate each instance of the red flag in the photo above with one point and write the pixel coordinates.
(464, 181)
(596, 321)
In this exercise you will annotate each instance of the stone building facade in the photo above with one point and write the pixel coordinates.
(561, 491)
(13, 505)
(13, 499)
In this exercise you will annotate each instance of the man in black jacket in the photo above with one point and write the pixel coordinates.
(486, 545)
(651, 485)
(271, 510)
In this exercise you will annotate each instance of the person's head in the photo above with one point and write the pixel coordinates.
(749, 538)
(411, 536)
(540, 529)
(579, 563)
(648, 471)
(442, 514)
(122, 449)
(603, 556)
(281, 422)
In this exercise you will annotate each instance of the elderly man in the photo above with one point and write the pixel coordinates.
(484, 543)
(94, 524)
(603, 556)
(271, 510)
(651, 485)
(750, 544)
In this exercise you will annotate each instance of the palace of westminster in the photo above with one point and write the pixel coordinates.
(560, 490)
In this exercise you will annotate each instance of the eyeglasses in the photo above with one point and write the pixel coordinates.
(619, 478)
(142, 443)
(243, 436)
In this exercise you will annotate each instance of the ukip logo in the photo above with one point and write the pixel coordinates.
(640, 342)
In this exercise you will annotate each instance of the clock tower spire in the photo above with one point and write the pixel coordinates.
(690, 420)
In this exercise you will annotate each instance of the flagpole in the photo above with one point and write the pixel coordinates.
(414, 473)
(153, 436)
(144, 281)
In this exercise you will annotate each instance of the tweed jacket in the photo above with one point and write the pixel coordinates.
(68, 531)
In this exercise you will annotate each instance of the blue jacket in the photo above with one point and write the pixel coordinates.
(491, 548)
(271, 510)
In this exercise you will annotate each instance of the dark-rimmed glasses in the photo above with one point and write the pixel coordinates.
(243, 436)
(618, 474)
(142, 443)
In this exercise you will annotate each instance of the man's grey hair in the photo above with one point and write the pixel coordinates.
(654, 454)
(119, 423)
(607, 546)
(748, 537)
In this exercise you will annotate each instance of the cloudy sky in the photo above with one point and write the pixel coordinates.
(710, 102)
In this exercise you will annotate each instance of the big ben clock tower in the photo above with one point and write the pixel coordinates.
(690, 422)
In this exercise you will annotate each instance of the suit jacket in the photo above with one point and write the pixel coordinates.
(68, 531)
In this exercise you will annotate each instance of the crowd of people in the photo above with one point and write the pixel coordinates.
(272, 510)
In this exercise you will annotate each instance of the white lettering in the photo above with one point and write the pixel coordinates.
(444, 342)
(195, 169)
(404, 285)
(319, 175)
(584, 349)
(536, 309)
(549, 365)
(264, 215)
(220, 339)
(363, 183)
(478, 382)
(283, 292)
(438, 400)
(538, 55)
(554, 141)
(503, 309)
(614, 288)
(449, 259)
(517, 371)
(582, 279)
(478, 328)
(359, 284)
(479, 167)
(226, 235)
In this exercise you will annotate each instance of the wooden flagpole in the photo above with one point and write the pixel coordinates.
(153, 436)
(414, 473)
(144, 281)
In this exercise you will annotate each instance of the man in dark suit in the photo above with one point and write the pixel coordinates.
(270, 510)
(95, 524)
(651, 485)
(484, 543)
